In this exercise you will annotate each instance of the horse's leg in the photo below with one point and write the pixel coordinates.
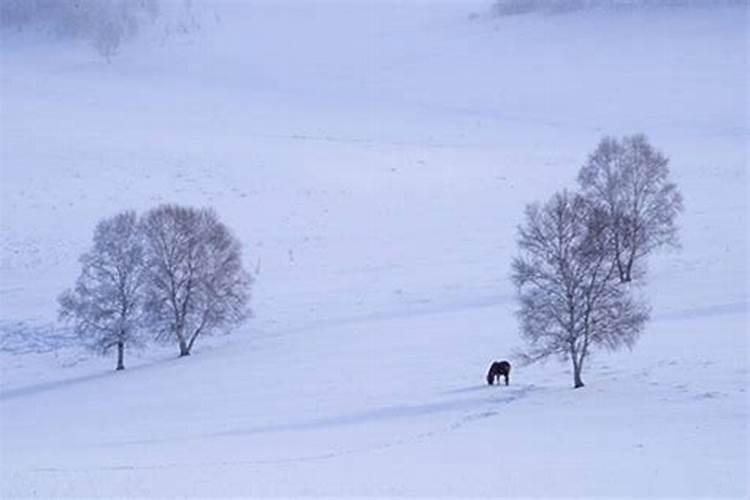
(507, 376)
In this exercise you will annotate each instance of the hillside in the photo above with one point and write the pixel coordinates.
(374, 160)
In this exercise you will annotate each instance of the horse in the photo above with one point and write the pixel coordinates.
(498, 368)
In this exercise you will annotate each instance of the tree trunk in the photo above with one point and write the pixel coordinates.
(619, 254)
(621, 271)
(192, 340)
(184, 349)
(577, 381)
(120, 355)
(629, 270)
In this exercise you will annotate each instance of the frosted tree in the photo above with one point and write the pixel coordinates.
(105, 306)
(570, 297)
(196, 281)
(104, 23)
(629, 181)
(107, 39)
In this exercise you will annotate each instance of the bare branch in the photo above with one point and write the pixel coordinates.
(568, 288)
(197, 284)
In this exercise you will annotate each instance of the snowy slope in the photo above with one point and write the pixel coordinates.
(374, 159)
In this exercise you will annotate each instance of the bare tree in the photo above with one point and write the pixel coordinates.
(105, 306)
(629, 181)
(107, 39)
(196, 283)
(570, 297)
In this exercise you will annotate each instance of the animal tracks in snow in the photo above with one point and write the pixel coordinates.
(476, 409)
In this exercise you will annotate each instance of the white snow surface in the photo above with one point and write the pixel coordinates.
(374, 158)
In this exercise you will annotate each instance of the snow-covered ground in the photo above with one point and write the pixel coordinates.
(374, 158)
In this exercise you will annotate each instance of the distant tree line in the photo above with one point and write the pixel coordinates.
(514, 7)
(582, 254)
(175, 273)
(104, 23)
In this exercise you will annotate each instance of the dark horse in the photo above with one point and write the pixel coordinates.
(498, 368)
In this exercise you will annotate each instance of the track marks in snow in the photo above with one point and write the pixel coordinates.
(50, 386)
(371, 416)
(513, 396)
(483, 408)
(387, 413)
(680, 380)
